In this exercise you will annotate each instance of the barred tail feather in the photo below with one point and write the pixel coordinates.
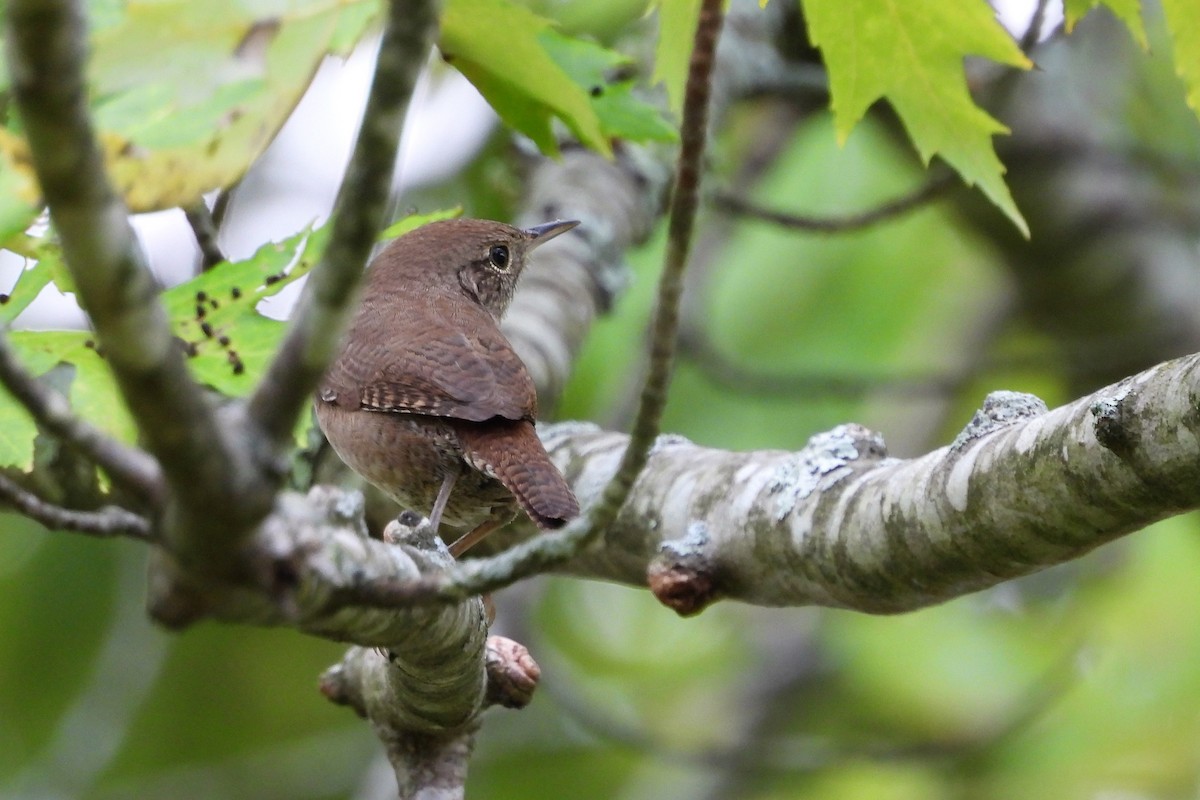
(510, 451)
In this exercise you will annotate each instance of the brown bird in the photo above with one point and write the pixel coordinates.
(427, 399)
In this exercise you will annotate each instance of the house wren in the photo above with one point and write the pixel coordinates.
(427, 399)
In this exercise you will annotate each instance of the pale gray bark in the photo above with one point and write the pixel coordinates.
(836, 524)
(840, 524)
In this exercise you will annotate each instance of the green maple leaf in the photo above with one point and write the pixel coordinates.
(1183, 24)
(532, 74)
(228, 342)
(1128, 11)
(622, 115)
(494, 43)
(910, 52)
(414, 221)
(29, 284)
(93, 391)
(676, 29)
(1183, 21)
(17, 428)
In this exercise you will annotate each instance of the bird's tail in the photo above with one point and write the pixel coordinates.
(511, 452)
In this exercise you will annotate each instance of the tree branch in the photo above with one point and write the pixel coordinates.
(1033, 33)
(574, 279)
(46, 48)
(697, 346)
(359, 214)
(106, 522)
(706, 357)
(892, 209)
(204, 228)
(433, 764)
(129, 467)
(839, 524)
(433, 767)
(421, 677)
(300, 561)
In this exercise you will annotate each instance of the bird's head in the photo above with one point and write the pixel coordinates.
(480, 258)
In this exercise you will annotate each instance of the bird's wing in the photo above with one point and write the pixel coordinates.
(473, 377)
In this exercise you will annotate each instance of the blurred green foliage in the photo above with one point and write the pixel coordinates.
(1081, 682)
(912, 54)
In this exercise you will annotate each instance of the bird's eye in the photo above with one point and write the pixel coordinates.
(499, 256)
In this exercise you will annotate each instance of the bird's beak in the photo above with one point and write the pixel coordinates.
(540, 234)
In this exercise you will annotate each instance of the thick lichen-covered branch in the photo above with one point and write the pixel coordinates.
(841, 524)
(838, 523)
(422, 669)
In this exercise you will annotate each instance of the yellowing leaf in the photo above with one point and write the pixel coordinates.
(1183, 21)
(494, 43)
(19, 192)
(186, 95)
(910, 52)
(1128, 11)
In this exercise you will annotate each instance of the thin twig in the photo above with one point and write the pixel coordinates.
(770, 135)
(722, 370)
(220, 206)
(697, 346)
(360, 212)
(46, 49)
(131, 468)
(1033, 34)
(1000, 91)
(540, 553)
(106, 522)
(204, 228)
(931, 190)
(684, 202)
